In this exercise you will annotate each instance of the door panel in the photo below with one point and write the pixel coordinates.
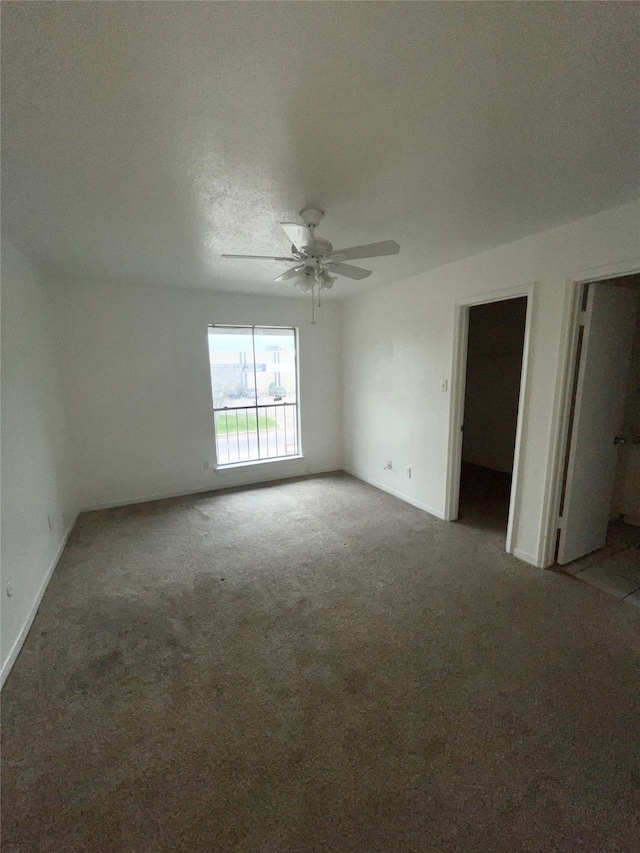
(603, 371)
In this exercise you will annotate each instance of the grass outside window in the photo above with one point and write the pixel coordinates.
(232, 422)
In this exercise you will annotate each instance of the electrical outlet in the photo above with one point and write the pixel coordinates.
(409, 473)
(9, 589)
(388, 466)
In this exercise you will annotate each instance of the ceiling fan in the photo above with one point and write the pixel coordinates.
(317, 263)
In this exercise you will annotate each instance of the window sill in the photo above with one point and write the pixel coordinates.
(233, 465)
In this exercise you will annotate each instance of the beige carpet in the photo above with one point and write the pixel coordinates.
(317, 666)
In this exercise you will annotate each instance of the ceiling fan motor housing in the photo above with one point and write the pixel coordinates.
(319, 249)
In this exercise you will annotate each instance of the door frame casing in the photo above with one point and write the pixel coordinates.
(456, 412)
(562, 402)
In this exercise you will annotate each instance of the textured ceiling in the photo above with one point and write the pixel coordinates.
(141, 140)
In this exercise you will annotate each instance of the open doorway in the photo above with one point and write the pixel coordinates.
(493, 373)
(599, 509)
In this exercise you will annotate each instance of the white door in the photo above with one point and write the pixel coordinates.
(599, 405)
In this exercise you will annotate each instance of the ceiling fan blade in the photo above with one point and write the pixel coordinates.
(347, 270)
(371, 250)
(259, 257)
(300, 235)
(292, 273)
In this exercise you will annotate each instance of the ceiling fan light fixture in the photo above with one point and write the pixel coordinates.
(325, 280)
(304, 282)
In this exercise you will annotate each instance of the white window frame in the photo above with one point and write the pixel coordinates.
(221, 465)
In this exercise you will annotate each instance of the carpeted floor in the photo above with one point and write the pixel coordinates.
(316, 666)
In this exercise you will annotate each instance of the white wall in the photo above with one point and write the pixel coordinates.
(492, 388)
(398, 348)
(137, 381)
(35, 481)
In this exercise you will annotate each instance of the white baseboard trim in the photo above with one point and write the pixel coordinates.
(268, 477)
(394, 492)
(22, 636)
(527, 557)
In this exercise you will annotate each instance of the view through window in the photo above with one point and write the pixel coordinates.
(254, 382)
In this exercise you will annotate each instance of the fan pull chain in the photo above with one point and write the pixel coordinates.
(313, 309)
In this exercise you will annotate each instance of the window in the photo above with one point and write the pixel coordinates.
(254, 384)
